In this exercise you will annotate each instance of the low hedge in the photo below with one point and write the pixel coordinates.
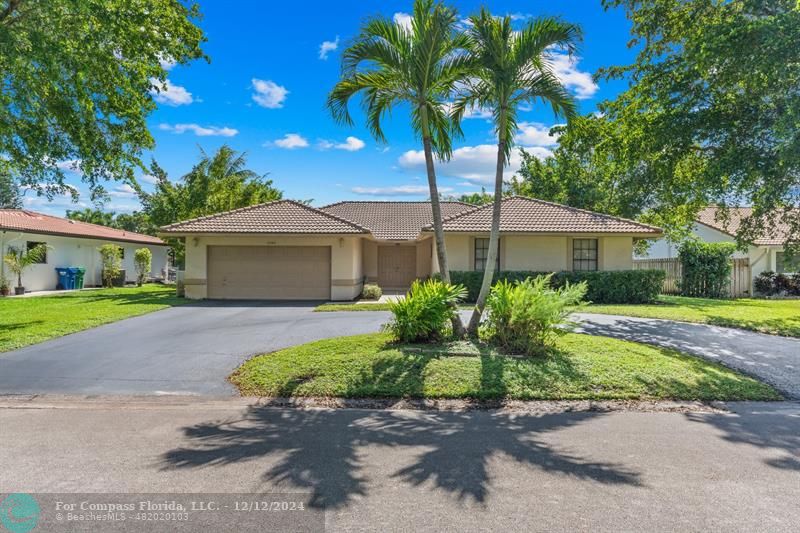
(610, 287)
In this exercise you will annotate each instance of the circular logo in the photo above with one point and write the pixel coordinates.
(19, 513)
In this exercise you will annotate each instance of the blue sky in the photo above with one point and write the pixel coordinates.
(264, 92)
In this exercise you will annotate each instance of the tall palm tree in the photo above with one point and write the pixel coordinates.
(420, 65)
(510, 68)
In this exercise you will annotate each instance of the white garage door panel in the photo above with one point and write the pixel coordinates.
(269, 272)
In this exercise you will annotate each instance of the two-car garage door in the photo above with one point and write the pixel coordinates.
(269, 272)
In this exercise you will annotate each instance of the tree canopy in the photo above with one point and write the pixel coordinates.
(78, 82)
(712, 108)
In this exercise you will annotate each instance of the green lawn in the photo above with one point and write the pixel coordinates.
(25, 321)
(370, 366)
(352, 307)
(777, 317)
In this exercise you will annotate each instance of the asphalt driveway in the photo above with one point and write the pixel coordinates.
(189, 349)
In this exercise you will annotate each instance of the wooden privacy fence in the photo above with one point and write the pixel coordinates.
(740, 283)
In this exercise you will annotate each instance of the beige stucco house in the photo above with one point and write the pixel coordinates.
(288, 250)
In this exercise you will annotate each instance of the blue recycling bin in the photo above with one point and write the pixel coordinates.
(73, 277)
(63, 278)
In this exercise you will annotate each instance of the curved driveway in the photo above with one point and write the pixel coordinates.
(192, 348)
(770, 358)
(189, 349)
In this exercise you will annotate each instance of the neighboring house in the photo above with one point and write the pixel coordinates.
(765, 253)
(287, 250)
(71, 243)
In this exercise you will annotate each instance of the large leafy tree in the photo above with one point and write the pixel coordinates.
(712, 109)
(509, 69)
(137, 222)
(218, 182)
(419, 66)
(78, 80)
(585, 171)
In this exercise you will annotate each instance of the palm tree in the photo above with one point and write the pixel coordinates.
(420, 65)
(511, 68)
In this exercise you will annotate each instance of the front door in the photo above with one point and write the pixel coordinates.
(397, 266)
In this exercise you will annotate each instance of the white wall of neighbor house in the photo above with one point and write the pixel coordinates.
(346, 259)
(75, 252)
(666, 249)
(762, 258)
(544, 253)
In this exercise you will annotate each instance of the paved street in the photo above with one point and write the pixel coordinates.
(426, 471)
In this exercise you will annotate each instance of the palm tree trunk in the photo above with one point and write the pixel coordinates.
(438, 227)
(494, 241)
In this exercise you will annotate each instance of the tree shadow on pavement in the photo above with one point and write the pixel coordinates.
(324, 451)
(773, 427)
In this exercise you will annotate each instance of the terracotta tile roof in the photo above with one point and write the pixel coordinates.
(528, 215)
(778, 235)
(282, 216)
(393, 220)
(32, 222)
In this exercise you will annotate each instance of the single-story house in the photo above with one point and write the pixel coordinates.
(766, 253)
(288, 250)
(71, 243)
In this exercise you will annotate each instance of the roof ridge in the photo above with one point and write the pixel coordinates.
(605, 215)
(340, 202)
(330, 215)
(215, 215)
(79, 222)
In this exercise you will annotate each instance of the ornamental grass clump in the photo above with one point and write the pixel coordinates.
(424, 315)
(527, 316)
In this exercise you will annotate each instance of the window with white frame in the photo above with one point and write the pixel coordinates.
(584, 255)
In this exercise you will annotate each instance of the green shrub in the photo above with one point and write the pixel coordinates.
(706, 268)
(111, 260)
(142, 261)
(525, 317)
(769, 283)
(425, 313)
(371, 292)
(604, 287)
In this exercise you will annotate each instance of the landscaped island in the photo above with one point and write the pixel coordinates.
(580, 367)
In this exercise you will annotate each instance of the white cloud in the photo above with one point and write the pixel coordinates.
(351, 144)
(171, 94)
(200, 131)
(56, 206)
(470, 112)
(290, 141)
(269, 94)
(69, 165)
(327, 47)
(122, 191)
(402, 19)
(167, 63)
(148, 178)
(579, 82)
(472, 163)
(535, 134)
(400, 190)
